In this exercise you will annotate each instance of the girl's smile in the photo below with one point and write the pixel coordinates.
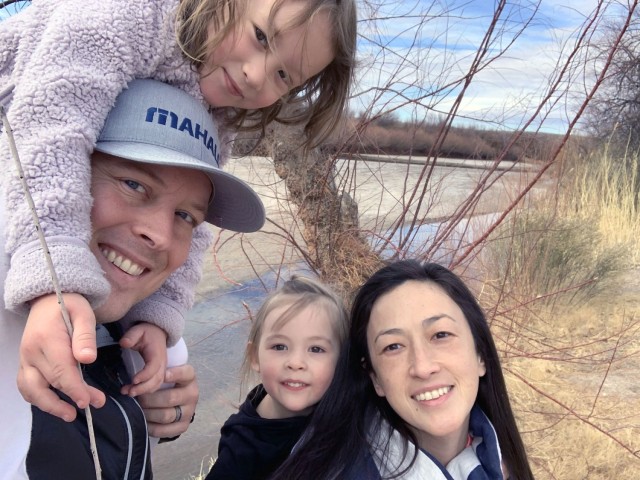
(296, 361)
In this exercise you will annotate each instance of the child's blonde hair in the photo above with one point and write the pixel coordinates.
(296, 294)
(320, 102)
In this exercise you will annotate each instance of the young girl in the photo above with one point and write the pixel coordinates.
(67, 60)
(293, 346)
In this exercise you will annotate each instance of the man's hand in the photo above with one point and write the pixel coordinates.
(151, 342)
(48, 356)
(160, 407)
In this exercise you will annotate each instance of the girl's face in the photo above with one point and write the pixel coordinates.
(296, 361)
(245, 72)
(424, 362)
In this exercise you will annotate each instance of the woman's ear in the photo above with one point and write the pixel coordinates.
(374, 378)
(482, 368)
(376, 385)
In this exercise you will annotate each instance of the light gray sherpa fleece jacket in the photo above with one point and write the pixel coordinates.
(68, 61)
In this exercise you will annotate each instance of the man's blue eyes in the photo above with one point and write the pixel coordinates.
(138, 187)
(133, 185)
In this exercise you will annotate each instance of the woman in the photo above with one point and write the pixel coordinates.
(420, 370)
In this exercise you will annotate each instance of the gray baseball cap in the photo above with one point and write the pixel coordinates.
(153, 122)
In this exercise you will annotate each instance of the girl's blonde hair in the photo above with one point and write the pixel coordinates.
(296, 294)
(319, 103)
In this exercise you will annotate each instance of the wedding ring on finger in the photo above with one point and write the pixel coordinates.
(178, 413)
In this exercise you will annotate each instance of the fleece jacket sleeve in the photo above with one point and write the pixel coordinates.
(73, 58)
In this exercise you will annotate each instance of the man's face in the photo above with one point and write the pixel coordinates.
(143, 218)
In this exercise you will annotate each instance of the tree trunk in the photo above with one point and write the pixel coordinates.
(337, 250)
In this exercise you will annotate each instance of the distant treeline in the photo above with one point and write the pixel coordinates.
(394, 137)
(390, 136)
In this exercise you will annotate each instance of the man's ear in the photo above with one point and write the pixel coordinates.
(253, 356)
(376, 384)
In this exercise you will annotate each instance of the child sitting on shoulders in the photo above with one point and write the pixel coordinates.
(62, 65)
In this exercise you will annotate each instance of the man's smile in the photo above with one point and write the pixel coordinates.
(123, 263)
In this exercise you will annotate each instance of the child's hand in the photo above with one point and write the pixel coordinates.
(48, 356)
(151, 342)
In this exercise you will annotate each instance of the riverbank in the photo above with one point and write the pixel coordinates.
(382, 188)
(567, 367)
(504, 165)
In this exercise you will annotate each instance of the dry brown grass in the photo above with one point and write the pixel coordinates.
(567, 322)
(568, 376)
(391, 136)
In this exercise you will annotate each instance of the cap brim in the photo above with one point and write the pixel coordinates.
(235, 206)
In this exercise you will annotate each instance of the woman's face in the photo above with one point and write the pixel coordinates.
(424, 361)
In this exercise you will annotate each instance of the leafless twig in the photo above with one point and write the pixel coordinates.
(52, 271)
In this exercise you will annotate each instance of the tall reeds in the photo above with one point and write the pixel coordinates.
(566, 316)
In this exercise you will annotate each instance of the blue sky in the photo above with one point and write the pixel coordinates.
(4, 12)
(442, 47)
(430, 43)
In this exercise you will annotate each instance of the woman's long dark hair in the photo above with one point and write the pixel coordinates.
(337, 434)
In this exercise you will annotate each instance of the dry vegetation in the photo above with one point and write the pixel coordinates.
(390, 136)
(556, 265)
(565, 296)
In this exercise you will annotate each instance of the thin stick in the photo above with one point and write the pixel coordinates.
(54, 276)
(4, 94)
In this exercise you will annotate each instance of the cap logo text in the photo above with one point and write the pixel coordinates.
(185, 125)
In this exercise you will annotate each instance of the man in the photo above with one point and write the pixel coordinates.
(155, 177)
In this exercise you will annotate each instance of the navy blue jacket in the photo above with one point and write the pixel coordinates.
(252, 447)
(61, 450)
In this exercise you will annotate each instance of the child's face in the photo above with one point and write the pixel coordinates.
(296, 362)
(243, 72)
